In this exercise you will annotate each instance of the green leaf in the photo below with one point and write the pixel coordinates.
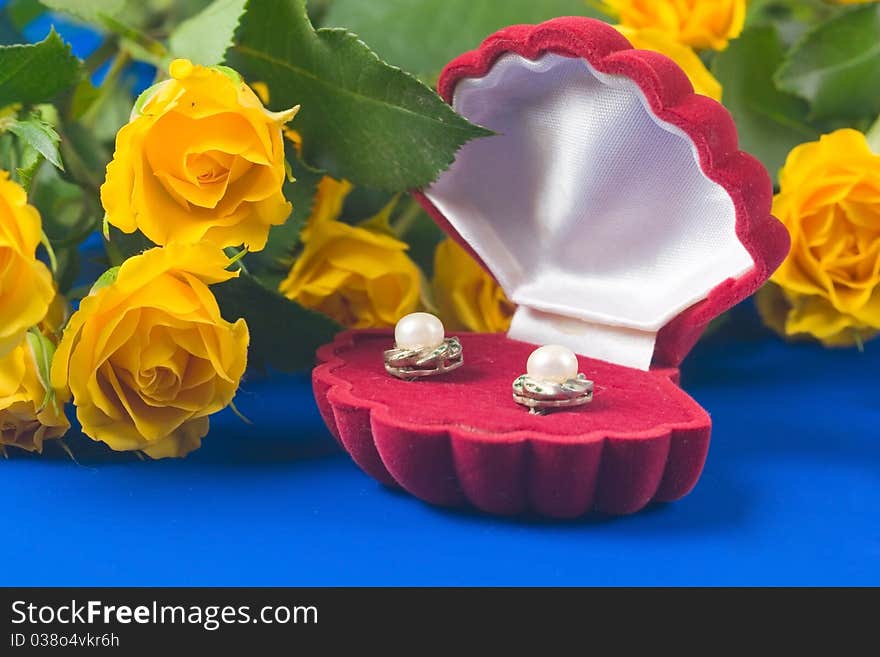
(22, 12)
(274, 261)
(27, 166)
(109, 110)
(42, 351)
(791, 18)
(14, 15)
(36, 73)
(8, 34)
(205, 38)
(86, 157)
(91, 11)
(284, 335)
(770, 122)
(107, 278)
(68, 270)
(39, 135)
(69, 213)
(18, 156)
(84, 95)
(836, 66)
(318, 10)
(129, 19)
(423, 35)
(361, 120)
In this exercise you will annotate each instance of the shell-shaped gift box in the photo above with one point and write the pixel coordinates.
(615, 209)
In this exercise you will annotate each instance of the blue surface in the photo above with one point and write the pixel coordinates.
(790, 495)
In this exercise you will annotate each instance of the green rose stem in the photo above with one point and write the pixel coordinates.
(53, 261)
(858, 341)
(407, 218)
(236, 257)
(149, 46)
(120, 61)
(104, 51)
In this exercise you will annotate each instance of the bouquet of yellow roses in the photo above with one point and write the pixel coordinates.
(250, 200)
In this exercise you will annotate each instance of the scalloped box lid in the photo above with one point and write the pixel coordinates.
(613, 204)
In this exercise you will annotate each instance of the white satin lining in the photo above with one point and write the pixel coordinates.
(593, 214)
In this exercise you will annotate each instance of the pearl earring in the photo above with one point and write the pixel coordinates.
(552, 381)
(421, 348)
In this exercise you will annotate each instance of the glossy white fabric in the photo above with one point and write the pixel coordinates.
(593, 214)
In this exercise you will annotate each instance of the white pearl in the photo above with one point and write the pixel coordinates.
(552, 363)
(419, 330)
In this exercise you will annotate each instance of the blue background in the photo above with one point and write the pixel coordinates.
(790, 493)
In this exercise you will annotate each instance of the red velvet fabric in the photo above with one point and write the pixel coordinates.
(460, 437)
(672, 98)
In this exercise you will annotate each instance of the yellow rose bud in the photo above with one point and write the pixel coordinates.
(148, 357)
(467, 297)
(652, 39)
(26, 287)
(28, 415)
(696, 23)
(358, 275)
(201, 159)
(829, 199)
(56, 317)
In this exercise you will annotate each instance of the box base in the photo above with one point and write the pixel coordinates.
(460, 438)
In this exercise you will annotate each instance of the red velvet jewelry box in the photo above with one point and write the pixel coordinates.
(615, 209)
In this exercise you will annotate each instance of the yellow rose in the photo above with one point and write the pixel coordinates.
(652, 39)
(27, 416)
(148, 357)
(467, 297)
(829, 199)
(696, 23)
(26, 287)
(358, 275)
(201, 159)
